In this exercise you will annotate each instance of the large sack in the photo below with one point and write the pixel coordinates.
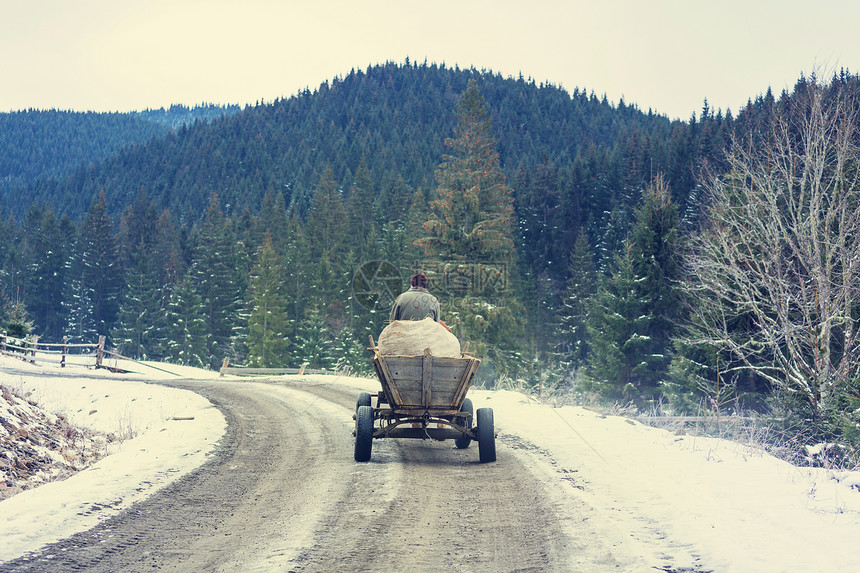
(411, 337)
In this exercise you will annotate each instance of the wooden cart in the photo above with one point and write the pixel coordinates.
(423, 397)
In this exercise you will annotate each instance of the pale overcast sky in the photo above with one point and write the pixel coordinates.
(122, 55)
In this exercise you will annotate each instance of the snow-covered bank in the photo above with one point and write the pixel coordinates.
(720, 505)
(169, 432)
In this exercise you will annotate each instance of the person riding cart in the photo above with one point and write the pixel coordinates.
(416, 303)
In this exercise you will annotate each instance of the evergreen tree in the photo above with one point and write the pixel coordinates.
(136, 225)
(361, 214)
(539, 211)
(472, 217)
(274, 220)
(573, 332)
(416, 216)
(297, 281)
(633, 318)
(267, 322)
(618, 322)
(187, 335)
(76, 304)
(140, 318)
(5, 239)
(657, 252)
(14, 264)
(350, 353)
(168, 258)
(471, 231)
(325, 233)
(213, 274)
(46, 263)
(313, 342)
(16, 319)
(545, 315)
(100, 272)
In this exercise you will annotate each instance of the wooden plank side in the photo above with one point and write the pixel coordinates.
(388, 385)
(414, 394)
(427, 378)
(449, 379)
(380, 374)
(466, 380)
(410, 397)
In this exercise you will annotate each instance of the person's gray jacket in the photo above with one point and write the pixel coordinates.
(415, 304)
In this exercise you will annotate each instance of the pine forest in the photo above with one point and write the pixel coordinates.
(583, 248)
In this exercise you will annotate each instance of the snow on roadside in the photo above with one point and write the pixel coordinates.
(713, 503)
(167, 433)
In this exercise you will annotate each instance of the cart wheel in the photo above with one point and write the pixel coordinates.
(486, 435)
(363, 433)
(363, 400)
(464, 441)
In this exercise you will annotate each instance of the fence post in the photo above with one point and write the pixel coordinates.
(34, 341)
(224, 365)
(63, 357)
(100, 352)
(3, 342)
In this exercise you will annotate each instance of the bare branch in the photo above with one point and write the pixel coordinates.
(776, 272)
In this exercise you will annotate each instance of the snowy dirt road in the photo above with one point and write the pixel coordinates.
(283, 493)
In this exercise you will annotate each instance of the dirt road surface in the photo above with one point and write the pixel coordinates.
(283, 493)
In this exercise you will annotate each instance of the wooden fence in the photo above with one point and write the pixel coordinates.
(31, 350)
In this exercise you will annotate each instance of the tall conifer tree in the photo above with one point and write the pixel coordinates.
(168, 259)
(472, 216)
(325, 233)
(46, 275)
(470, 231)
(267, 322)
(140, 317)
(657, 254)
(618, 333)
(573, 332)
(313, 341)
(213, 273)
(101, 277)
(188, 338)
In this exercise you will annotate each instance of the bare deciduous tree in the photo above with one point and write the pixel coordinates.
(775, 274)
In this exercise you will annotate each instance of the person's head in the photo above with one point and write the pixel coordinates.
(419, 280)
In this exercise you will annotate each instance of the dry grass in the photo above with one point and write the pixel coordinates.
(760, 432)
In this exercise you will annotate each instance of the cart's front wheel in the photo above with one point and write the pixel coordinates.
(363, 400)
(486, 435)
(463, 441)
(363, 433)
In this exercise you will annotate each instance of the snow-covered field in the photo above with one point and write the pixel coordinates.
(724, 506)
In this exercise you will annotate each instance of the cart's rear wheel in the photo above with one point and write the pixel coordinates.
(464, 441)
(486, 435)
(363, 400)
(363, 433)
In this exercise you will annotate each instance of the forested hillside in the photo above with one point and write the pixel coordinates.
(37, 144)
(557, 229)
(394, 118)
